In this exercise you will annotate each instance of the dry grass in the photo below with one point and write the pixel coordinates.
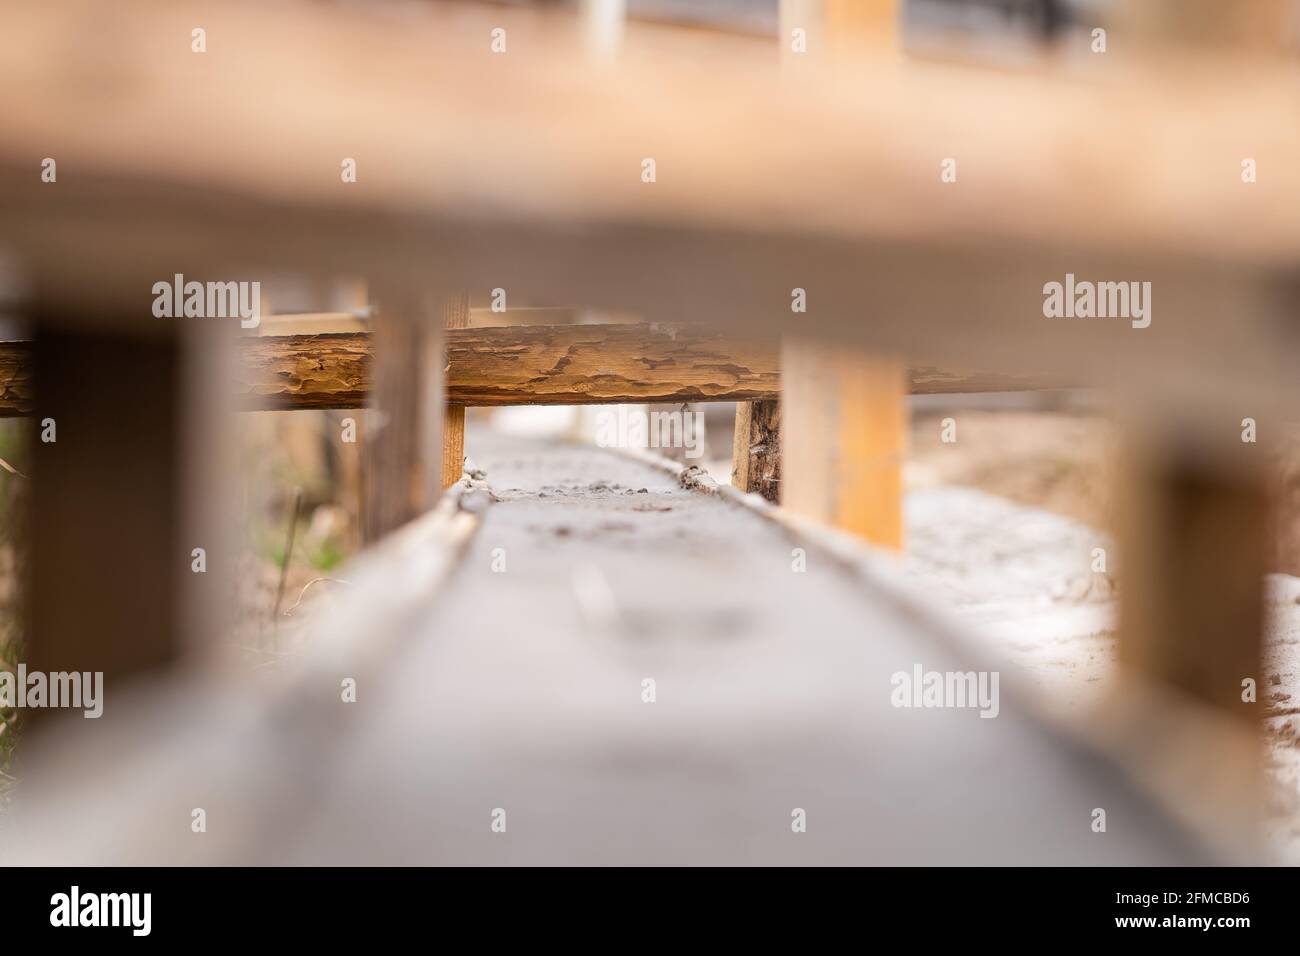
(281, 454)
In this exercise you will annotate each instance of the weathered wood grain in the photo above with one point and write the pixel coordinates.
(283, 372)
(538, 365)
(595, 364)
(756, 449)
(17, 392)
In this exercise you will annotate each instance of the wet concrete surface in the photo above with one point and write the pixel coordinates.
(525, 690)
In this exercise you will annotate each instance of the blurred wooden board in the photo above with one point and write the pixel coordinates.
(441, 127)
(522, 170)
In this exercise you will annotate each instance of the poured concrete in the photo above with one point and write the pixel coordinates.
(524, 692)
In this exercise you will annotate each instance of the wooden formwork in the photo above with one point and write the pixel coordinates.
(525, 171)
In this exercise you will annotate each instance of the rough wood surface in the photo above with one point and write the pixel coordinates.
(328, 370)
(756, 451)
(520, 366)
(17, 393)
(595, 364)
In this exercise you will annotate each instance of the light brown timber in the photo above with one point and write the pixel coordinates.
(455, 316)
(843, 433)
(954, 272)
(846, 409)
(521, 366)
(1194, 520)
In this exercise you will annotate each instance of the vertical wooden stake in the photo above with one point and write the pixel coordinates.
(456, 316)
(403, 439)
(756, 449)
(1194, 542)
(112, 581)
(843, 435)
(844, 411)
(1193, 534)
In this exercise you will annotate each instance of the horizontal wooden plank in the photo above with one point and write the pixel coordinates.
(541, 135)
(523, 171)
(600, 364)
(520, 365)
(283, 372)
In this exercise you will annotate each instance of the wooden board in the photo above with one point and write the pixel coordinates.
(523, 171)
(545, 365)
(1045, 157)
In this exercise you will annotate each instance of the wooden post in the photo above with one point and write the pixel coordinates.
(403, 440)
(843, 436)
(845, 414)
(455, 316)
(1193, 519)
(125, 486)
(756, 452)
(1193, 527)
(836, 27)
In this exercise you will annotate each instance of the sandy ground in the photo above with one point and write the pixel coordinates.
(1021, 575)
